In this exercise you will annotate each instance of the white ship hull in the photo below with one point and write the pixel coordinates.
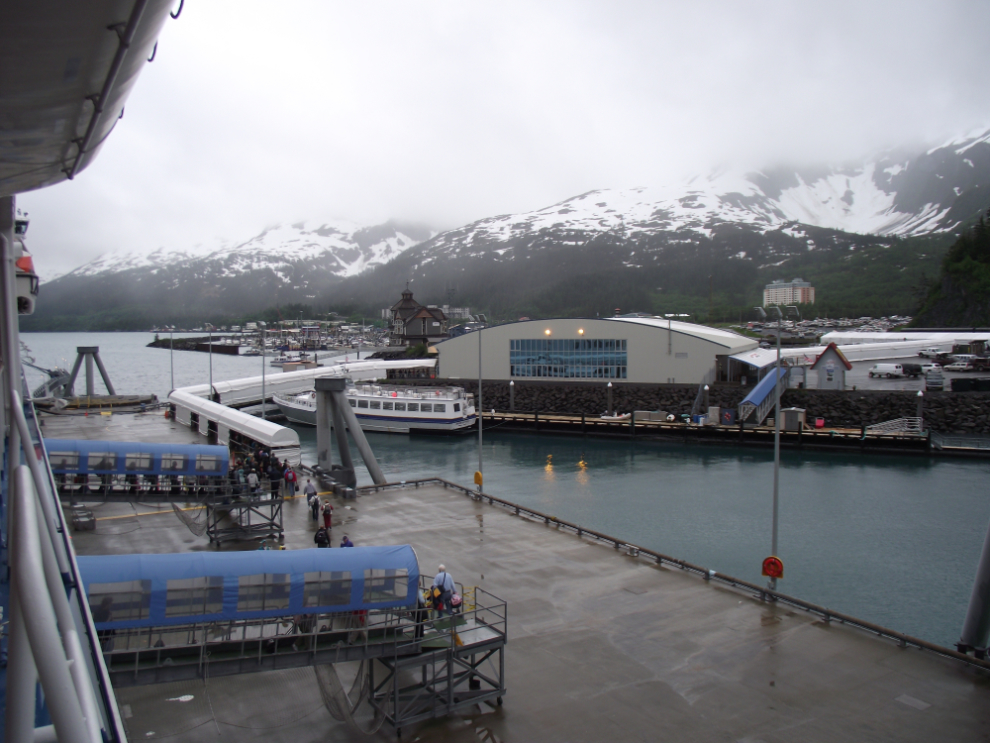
(375, 407)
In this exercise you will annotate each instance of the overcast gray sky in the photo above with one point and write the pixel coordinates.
(257, 113)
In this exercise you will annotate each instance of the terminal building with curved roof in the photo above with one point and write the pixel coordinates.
(644, 350)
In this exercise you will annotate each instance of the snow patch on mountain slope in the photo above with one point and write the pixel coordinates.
(277, 248)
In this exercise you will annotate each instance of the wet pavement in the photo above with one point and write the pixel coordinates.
(602, 645)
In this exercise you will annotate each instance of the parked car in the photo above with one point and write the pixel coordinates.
(960, 366)
(928, 353)
(886, 370)
(934, 380)
(911, 370)
(927, 367)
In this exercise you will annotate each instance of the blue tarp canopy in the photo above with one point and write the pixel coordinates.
(765, 387)
(128, 591)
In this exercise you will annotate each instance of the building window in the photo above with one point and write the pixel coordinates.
(568, 358)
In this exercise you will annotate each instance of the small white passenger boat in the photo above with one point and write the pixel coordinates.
(393, 408)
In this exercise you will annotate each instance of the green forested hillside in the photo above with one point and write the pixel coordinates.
(960, 295)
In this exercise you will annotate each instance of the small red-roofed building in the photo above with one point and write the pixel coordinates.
(831, 366)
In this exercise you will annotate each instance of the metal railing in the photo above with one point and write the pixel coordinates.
(661, 559)
(898, 425)
(51, 638)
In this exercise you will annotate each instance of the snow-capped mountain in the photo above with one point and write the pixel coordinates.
(725, 233)
(934, 191)
(341, 248)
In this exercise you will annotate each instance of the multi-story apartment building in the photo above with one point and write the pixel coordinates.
(796, 291)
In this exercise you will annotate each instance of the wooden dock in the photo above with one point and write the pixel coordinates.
(845, 439)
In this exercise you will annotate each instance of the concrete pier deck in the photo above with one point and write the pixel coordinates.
(602, 645)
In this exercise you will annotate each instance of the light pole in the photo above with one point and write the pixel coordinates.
(776, 441)
(171, 363)
(669, 337)
(211, 362)
(264, 399)
(478, 479)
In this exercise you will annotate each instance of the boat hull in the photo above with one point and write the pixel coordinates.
(306, 416)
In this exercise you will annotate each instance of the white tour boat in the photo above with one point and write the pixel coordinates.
(393, 408)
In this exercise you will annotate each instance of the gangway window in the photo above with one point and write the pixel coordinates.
(207, 463)
(426, 407)
(137, 462)
(352, 402)
(102, 460)
(327, 588)
(174, 462)
(385, 585)
(376, 405)
(386, 406)
(120, 602)
(362, 403)
(412, 406)
(64, 460)
(187, 597)
(263, 592)
(439, 407)
(400, 406)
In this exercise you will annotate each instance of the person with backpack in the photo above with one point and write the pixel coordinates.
(312, 499)
(327, 515)
(322, 538)
(442, 590)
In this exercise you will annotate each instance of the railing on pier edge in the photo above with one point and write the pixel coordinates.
(634, 550)
(636, 427)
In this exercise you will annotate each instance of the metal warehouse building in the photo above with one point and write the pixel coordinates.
(649, 350)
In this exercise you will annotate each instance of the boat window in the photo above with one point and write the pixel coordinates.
(186, 597)
(64, 460)
(263, 592)
(102, 460)
(120, 602)
(327, 588)
(173, 462)
(362, 403)
(439, 407)
(413, 406)
(400, 406)
(376, 405)
(352, 402)
(134, 462)
(457, 407)
(387, 405)
(207, 463)
(385, 585)
(426, 407)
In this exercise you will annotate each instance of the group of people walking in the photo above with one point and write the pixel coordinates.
(259, 466)
(322, 536)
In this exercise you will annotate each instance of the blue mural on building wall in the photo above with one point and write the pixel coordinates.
(574, 358)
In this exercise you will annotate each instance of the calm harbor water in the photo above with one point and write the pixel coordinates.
(893, 540)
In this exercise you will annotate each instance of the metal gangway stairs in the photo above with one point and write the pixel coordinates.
(258, 611)
(758, 403)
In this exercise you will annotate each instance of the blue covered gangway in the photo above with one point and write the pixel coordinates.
(758, 403)
(120, 468)
(163, 618)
